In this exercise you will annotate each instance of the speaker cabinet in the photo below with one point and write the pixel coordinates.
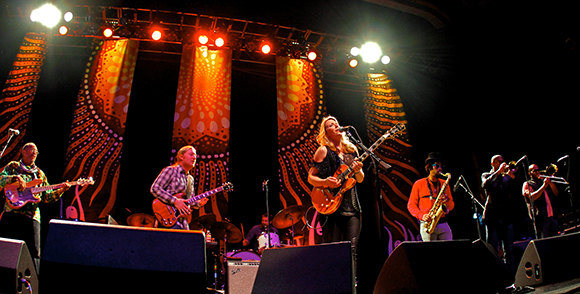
(16, 265)
(241, 275)
(549, 260)
(96, 258)
(444, 267)
(325, 268)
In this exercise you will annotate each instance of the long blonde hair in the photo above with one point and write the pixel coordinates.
(323, 140)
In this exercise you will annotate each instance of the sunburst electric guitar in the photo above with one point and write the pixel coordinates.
(16, 199)
(167, 214)
(326, 200)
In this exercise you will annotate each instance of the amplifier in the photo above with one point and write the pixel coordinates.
(240, 276)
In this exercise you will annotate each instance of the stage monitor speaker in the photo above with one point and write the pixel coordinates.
(17, 270)
(444, 267)
(549, 260)
(241, 275)
(325, 268)
(97, 258)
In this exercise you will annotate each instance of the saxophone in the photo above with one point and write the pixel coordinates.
(436, 211)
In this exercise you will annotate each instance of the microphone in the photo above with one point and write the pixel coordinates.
(344, 129)
(15, 132)
(562, 158)
(457, 184)
(518, 162)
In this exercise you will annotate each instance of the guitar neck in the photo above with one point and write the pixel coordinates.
(348, 172)
(204, 195)
(50, 187)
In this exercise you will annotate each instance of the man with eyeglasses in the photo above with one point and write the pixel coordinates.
(501, 204)
(23, 223)
(538, 192)
(423, 195)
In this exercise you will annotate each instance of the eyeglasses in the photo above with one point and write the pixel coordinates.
(436, 165)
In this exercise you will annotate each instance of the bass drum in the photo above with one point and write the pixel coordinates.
(244, 254)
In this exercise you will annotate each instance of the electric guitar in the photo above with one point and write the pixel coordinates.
(167, 214)
(326, 200)
(16, 199)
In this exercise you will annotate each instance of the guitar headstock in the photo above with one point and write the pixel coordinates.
(228, 186)
(396, 129)
(83, 182)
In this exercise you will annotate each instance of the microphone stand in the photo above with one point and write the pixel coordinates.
(388, 168)
(265, 188)
(7, 142)
(474, 202)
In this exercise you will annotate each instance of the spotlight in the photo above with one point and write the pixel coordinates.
(63, 30)
(48, 15)
(266, 48)
(108, 32)
(68, 16)
(370, 52)
(354, 51)
(156, 34)
(385, 59)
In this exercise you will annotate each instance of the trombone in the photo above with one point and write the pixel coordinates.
(549, 173)
(556, 180)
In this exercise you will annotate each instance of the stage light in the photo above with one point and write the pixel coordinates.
(354, 51)
(48, 15)
(353, 62)
(311, 55)
(63, 30)
(266, 48)
(370, 52)
(108, 32)
(68, 16)
(203, 39)
(220, 42)
(385, 59)
(156, 35)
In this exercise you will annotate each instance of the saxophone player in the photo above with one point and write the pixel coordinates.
(423, 195)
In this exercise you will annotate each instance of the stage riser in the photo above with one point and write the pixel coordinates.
(92, 258)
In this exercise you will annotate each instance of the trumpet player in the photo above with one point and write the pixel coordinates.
(538, 192)
(501, 208)
(422, 198)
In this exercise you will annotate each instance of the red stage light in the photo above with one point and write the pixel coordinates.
(311, 55)
(156, 35)
(266, 48)
(63, 30)
(108, 32)
(220, 42)
(203, 39)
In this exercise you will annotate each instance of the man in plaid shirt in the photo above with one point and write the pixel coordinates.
(174, 185)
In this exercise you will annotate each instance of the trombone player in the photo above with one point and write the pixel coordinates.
(539, 192)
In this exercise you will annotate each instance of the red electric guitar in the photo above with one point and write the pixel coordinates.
(168, 215)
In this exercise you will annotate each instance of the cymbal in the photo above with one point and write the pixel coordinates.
(289, 237)
(227, 231)
(141, 220)
(288, 216)
(203, 222)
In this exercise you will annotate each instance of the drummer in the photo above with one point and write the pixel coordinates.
(252, 238)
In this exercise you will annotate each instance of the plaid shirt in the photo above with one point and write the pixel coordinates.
(171, 180)
(8, 176)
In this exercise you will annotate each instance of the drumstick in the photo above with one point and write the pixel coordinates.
(243, 234)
